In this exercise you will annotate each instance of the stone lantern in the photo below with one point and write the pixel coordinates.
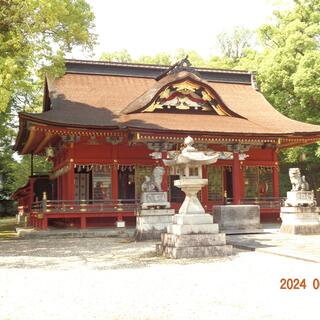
(193, 233)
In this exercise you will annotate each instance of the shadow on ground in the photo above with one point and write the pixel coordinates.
(249, 242)
(92, 253)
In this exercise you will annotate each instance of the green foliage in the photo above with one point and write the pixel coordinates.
(34, 37)
(117, 56)
(161, 58)
(233, 45)
(22, 170)
(14, 173)
(289, 67)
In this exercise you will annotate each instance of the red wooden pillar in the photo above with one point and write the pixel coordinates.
(275, 173)
(166, 173)
(45, 222)
(204, 192)
(165, 179)
(63, 186)
(58, 189)
(71, 181)
(70, 192)
(236, 179)
(114, 174)
(83, 221)
(115, 188)
(115, 192)
(30, 200)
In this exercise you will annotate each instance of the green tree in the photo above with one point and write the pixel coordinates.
(233, 45)
(195, 58)
(161, 58)
(288, 69)
(117, 56)
(7, 164)
(34, 37)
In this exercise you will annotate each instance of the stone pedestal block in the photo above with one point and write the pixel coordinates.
(192, 219)
(193, 240)
(151, 223)
(300, 220)
(154, 200)
(193, 236)
(194, 252)
(300, 198)
(237, 217)
(179, 229)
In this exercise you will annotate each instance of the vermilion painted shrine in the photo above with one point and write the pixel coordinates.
(101, 121)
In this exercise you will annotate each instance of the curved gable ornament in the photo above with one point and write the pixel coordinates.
(187, 96)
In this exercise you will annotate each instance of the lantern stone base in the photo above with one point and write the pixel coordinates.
(300, 220)
(151, 223)
(193, 236)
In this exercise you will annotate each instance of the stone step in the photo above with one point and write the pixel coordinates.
(154, 219)
(192, 229)
(193, 240)
(155, 212)
(193, 219)
(194, 252)
(142, 235)
(154, 226)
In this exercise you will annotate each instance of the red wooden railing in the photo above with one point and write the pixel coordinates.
(65, 206)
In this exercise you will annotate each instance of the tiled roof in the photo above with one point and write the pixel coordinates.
(98, 100)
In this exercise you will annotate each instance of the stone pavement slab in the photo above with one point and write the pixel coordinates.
(303, 247)
(114, 278)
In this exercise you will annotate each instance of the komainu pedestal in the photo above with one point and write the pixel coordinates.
(155, 214)
(151, 223)
(154, 200)
(300, 215)
(300, 220)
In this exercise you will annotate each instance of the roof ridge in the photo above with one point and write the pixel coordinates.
(156, 66)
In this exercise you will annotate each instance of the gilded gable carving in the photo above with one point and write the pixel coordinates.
(186, 97)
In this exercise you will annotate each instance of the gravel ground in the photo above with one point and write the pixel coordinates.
(112, 278)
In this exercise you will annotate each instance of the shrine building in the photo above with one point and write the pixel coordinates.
(101, 122)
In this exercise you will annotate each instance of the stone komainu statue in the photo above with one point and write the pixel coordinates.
(148, 185)
(298, 182)
(153, 183)
(157, 175)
